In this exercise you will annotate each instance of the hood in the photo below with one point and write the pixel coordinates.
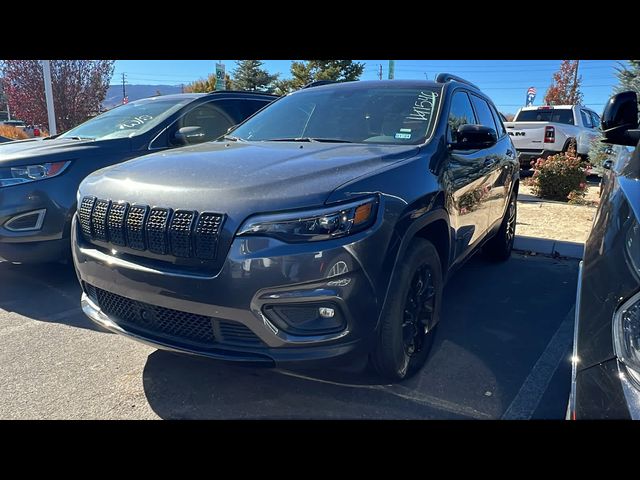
(36, 150)
(239, 178)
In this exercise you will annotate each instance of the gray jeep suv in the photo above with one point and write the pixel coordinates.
(323, 227)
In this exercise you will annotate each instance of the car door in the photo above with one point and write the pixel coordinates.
(467, 179)
(497, 164)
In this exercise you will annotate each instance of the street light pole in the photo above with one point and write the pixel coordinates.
(48, 92)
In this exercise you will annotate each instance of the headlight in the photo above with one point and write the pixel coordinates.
(314, 225)
(30, 173)
(626, 335)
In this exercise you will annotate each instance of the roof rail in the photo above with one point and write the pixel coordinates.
(447, 77)
(317, 83)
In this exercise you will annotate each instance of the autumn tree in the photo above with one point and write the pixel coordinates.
(629, 77)
(206, 85)
(308, 71)
(78, 86)
(565, 89)
(3, 97)
(250, 75)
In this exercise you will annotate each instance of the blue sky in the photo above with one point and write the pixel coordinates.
(505, 81)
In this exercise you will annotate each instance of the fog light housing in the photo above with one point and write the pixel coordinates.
(26, 222)
(319, 318)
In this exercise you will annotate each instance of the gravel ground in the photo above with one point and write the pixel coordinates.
(555, 220)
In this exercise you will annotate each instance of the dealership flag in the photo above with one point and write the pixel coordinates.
(531, 95)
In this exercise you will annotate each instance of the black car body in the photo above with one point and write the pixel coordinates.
(39, 177)
(320, 239)
(606, 366)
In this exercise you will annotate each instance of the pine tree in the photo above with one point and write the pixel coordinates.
(629, 77)
(249, 75)
(565, 89)
(308, 71)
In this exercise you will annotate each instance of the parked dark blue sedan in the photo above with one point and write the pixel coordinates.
(39, 178)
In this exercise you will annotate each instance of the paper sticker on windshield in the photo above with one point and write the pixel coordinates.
(135, 122)
(422, 108)
(403, 136)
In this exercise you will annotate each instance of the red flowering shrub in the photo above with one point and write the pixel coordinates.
(560, 177)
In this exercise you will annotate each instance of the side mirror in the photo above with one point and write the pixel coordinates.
(475, 137)
(189, 136)
(607, 164)
(620, 119)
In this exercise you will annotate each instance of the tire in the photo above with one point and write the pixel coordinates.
(499, 247)
(419, 276)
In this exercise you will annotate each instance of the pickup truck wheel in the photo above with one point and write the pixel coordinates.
(500, 246)
(411, 314)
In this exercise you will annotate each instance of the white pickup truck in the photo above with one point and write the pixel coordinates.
(542, 131)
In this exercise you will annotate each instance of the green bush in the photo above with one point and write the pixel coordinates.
(560, 177)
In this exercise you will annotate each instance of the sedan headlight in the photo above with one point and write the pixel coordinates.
(626, 321)
(30, 173)
(314, 225)
(626, 335)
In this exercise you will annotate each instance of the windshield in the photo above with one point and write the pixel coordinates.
(386, 115)
(127, 120)
(546, 115)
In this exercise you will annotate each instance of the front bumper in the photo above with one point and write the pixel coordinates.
(49, 241)
(606, 391)
(258, 273)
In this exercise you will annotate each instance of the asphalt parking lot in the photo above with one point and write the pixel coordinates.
(502, 351)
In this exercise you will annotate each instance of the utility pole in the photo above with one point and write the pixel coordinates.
(48, 93)
(182, 86)
(575, 84)
(124, 90)
(380, 72)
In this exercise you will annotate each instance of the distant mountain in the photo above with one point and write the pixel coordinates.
(136, 92)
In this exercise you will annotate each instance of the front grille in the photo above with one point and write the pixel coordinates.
(163, 231)
(116, 223)
(136, 219)
(236, 333)
(207, 231)
(168, 324)
(99, 219)
(157, 230)
(84, 214)
(158, 321)
(180, 233)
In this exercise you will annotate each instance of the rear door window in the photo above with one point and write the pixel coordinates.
(483, 112)
(586, 119)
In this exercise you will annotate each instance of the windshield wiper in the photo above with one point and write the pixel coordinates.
(80, 138)
(308, 139)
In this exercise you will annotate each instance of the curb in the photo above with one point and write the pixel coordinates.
(546, 246)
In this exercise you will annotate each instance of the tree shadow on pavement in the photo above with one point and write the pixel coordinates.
(184, 387)
(45, 292)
